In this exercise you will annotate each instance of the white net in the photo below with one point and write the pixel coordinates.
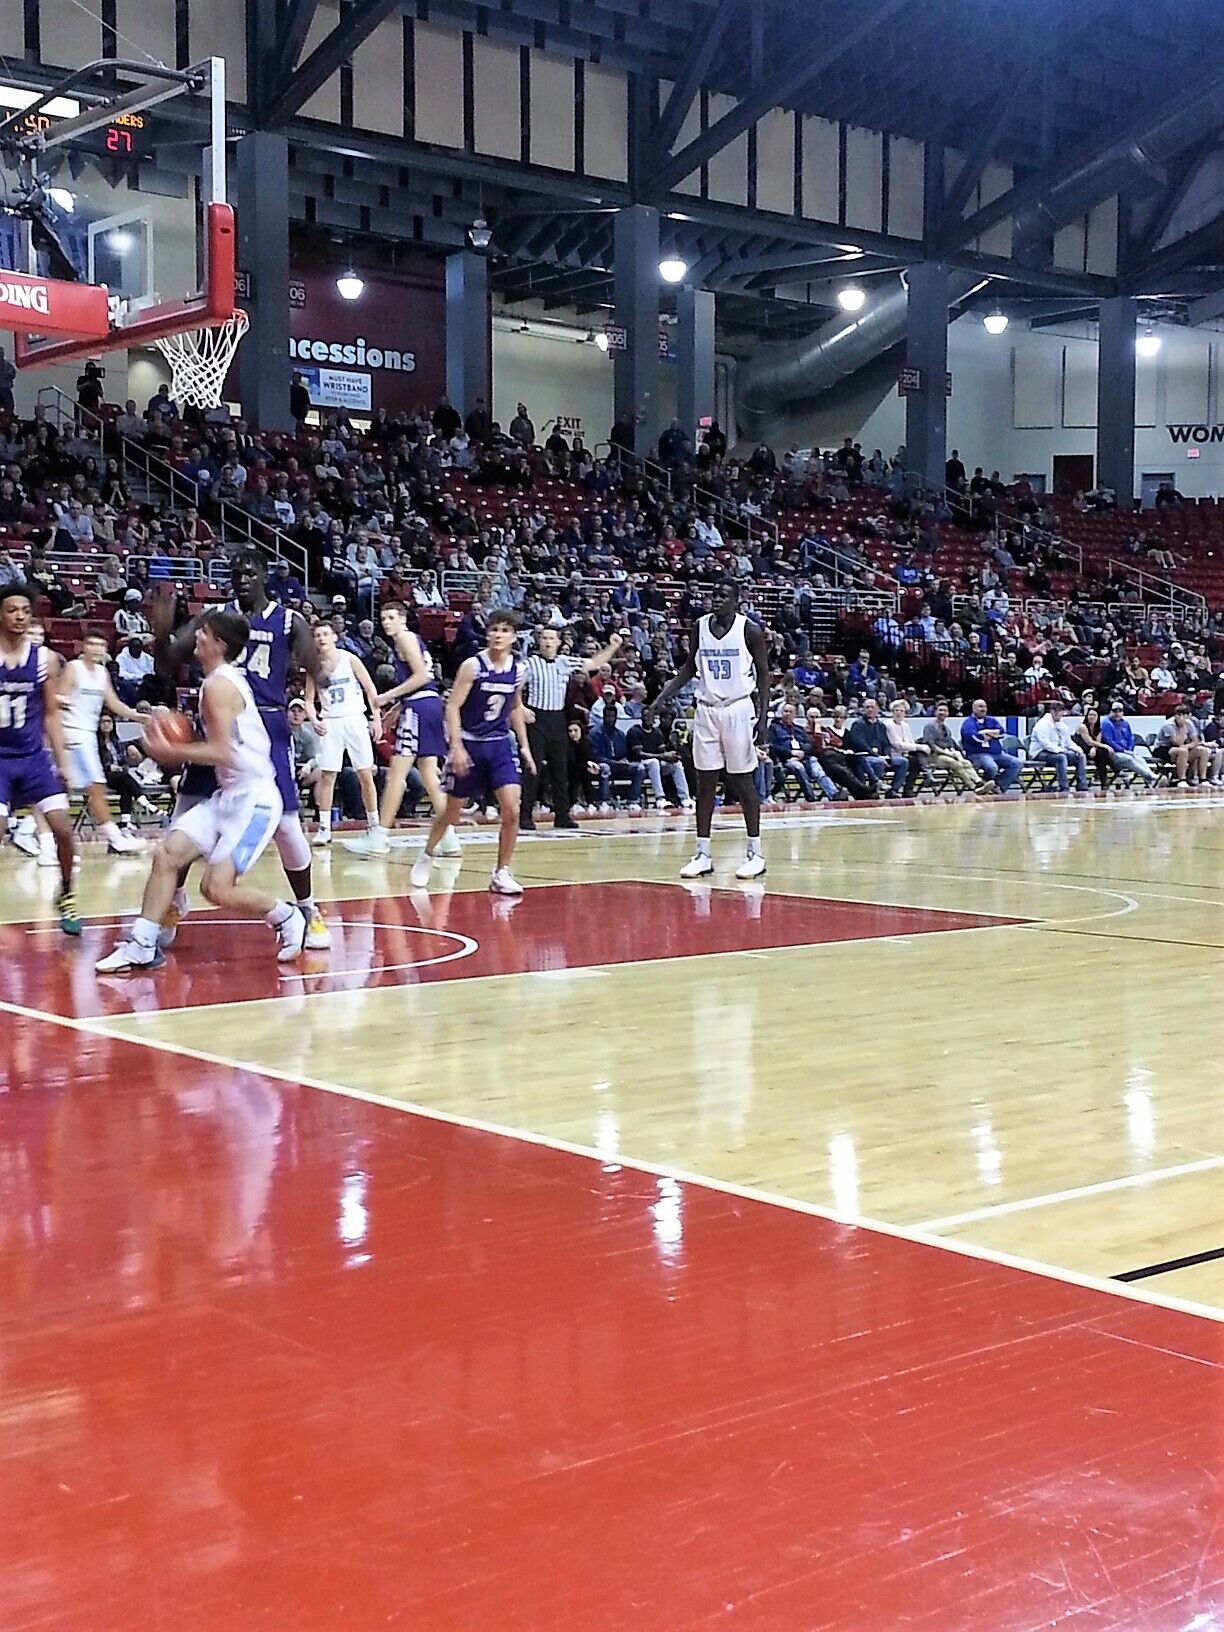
(200, 359)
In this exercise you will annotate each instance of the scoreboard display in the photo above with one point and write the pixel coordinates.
(124, 136)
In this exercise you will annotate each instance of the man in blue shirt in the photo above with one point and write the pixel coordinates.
(982, 740)
(610, 751)
(1119, 742)
(867, 739)
(862, 674)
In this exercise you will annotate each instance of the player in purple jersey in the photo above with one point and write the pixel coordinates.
(420, 735)
(280, 640)
(29, 720)
(484, 709)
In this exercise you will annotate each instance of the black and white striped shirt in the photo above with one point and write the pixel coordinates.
(545, 682)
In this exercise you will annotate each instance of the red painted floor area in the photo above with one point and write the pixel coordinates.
(405, 940)
(269, 1357)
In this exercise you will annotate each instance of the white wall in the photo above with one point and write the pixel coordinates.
(555, 372)
(1056, 370)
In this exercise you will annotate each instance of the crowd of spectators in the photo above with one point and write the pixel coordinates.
(416, 503)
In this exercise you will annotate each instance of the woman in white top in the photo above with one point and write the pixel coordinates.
(902, 741)
(336, 707)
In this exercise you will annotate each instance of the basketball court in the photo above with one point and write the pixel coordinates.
(837, 1253)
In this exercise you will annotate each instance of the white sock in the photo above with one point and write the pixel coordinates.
(754, 847)
(46, 843)
(325, 820)
(307, 908)
(180, 901)
(280, 914)
(703, 847)
(109, 832)
(372, 821)
(145, 932)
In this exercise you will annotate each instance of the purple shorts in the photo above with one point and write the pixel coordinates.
(493, 766)
(419, 733)
(29, 779)
(276, 721)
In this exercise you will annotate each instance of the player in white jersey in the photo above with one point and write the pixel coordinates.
(231, 828)
(336, 707)
(730, 666)
(84, 691)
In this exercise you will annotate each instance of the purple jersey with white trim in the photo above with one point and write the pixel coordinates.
(403, 672)
(266, 658)
(484, 713)
(21, 702)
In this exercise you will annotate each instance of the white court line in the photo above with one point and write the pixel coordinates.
(464, 950)
(1131, 1181)
(1127, 1290)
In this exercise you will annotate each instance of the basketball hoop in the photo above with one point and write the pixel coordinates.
(200, 359)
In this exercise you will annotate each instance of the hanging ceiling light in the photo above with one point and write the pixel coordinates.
(672, 269)
(1147, 344)
(995, 322)
(601, 340)
(851, 298)
(63, 198)
(480, 234)
(349, 286)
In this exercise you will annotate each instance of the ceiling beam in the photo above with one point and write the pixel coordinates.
(1095, 171)
(1206, 309)
(777, 89)
(692, 77)
(328, 57)
(1174, 196)
(1205, 243)
(983, 150)
(296, 17)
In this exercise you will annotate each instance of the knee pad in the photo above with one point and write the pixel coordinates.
(291, 844)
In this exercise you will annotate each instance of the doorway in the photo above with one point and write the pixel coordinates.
(1073, 473)
(1148, 483)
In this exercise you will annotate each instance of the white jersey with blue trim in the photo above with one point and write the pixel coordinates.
(725, 670)
(250, 745)
(340, 696)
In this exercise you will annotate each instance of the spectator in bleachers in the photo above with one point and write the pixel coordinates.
(792, 755)
(1179, 745)
(610, 751)
(8, 379)
(647, 744)
(134, 671)
(945, 754)
(903, 742)
(1118, 744)
(1052, 744)
(867, 739)
(129, 620)
(982, 740)
(161, 409)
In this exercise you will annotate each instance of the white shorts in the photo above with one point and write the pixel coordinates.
(234, 824)
(724, 737)
(351, 733)
(84, 763)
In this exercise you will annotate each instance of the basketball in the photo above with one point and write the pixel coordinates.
(177, 727)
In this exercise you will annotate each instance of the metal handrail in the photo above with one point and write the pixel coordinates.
(915, 481)
(1179, 598)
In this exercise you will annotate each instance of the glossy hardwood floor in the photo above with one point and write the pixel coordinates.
(1040, 1081)
(500, 1268)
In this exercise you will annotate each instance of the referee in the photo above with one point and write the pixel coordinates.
(546, 678)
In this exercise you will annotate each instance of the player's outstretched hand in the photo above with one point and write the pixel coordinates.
(619, 637)
(320, 728)
(529, 764)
